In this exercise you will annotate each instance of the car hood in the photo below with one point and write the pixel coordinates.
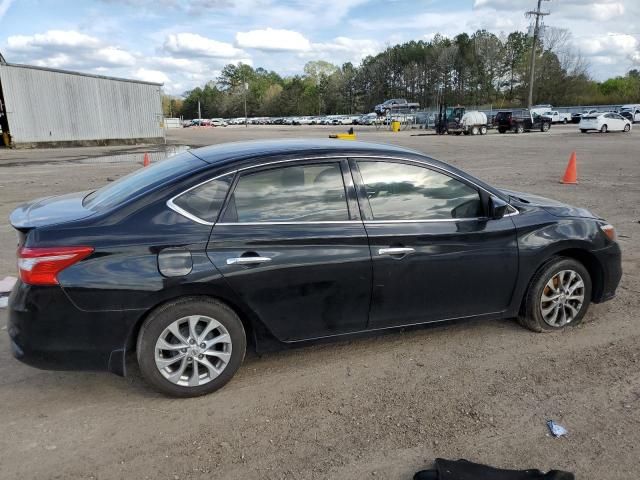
(554, 207)
(49, 211)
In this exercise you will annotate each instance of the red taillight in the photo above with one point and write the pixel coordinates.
(40, 266)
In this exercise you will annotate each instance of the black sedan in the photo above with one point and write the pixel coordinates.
(280, 243)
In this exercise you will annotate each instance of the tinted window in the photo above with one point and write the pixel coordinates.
(407, 192)
(308, 193)
(141, 180)
(205, 201)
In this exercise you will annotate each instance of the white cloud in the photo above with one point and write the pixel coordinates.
(151, 75)
(273, 39)
(4, 6)
(52, 39)
(115, 56)
(194, 45)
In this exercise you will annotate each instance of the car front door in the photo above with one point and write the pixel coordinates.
(291, 244)
(435, 254)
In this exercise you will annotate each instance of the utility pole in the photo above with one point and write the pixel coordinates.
(246, 88)
(199, 114)
(534, 13)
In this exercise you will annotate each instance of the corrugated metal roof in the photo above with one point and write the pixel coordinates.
(71, 72)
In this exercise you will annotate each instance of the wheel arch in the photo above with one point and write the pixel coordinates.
(586, 258)
(253, 326)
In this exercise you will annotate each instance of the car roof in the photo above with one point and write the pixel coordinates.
(231, 152)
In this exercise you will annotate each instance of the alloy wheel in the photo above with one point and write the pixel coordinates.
(193, 350)
(562, 298)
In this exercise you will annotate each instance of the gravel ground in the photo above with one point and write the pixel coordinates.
(380, 407)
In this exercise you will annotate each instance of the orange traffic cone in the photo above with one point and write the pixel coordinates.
(571, 173)
(146, 160)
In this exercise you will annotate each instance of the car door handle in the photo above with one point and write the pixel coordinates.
(247, 260)
(396, 251)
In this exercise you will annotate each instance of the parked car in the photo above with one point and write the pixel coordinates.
(630, 112)
(270, 243)
(605, 122)
(396, 105)
(217, 122)
(557, 117)
(575, 118)
(519, 121)
(367, 119)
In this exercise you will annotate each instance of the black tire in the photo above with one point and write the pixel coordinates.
(583, 130)
(531, 316)
(604, 129)
(163, 316)
(627, 128)
(501, 130)
(519, 129)
(483, 130)
(545, 127)
(564, 121)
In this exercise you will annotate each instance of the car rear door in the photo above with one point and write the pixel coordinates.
(435, 254)
(290, 242)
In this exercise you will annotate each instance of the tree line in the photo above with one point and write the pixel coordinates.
(481, 70)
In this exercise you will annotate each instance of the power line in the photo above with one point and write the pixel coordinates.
(534, 13)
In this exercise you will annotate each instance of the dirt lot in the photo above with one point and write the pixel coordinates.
(375, 408)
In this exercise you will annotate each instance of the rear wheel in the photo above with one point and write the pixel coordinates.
(603, 129)
(564, 121)
(483, 130)
(191, 346)
(558, 296)
(519, 129)
(583, 130)
(474, 130)
(501, 130)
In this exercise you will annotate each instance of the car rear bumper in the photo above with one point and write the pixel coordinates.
(48, 331)
(610, 259)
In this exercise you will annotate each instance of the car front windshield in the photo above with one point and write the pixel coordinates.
(142, 180)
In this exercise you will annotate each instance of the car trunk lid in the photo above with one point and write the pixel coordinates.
(49, 211)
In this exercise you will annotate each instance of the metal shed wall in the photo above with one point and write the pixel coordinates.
(52, 106)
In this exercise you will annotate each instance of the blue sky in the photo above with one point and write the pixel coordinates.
(184, 43)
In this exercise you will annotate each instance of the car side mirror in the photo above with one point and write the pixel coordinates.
(497, 208)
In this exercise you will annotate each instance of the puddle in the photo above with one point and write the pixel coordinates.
(134, 155)
(155, 155)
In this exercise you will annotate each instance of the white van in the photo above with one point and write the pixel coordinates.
(631, 112)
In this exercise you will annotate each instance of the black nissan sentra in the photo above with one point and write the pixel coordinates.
(269, 243)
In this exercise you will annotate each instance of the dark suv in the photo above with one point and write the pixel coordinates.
(520, 121)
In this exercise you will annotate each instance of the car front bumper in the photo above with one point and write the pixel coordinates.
(48, 331)
(610, 259)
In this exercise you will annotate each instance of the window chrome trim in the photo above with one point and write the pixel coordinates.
(201, 221)
(320, 222)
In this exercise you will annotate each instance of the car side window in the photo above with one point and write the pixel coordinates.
(398, 191)
(205, 201)
(300, 193)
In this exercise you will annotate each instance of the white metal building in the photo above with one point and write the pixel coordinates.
(48, 107)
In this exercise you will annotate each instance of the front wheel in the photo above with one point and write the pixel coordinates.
(474, 130)
(545, 127)
(603, 129)
(583, 130)
(627, 128)
(519, 129)
(501, 130)
(191, 346)
(558, 296)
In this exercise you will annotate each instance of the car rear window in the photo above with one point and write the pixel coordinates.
(140, 181)
(205, 201)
